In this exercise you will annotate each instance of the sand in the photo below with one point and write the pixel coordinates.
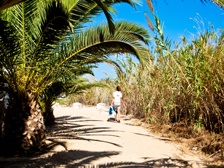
(87, 137)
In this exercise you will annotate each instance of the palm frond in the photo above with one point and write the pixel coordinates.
(107, 14)
(83, 10)
(4, 4)
(98, 42)
(23, 17)
(95, 45)
(81, 84)
(220, 3)
(70, 82)
(115, 64)
(54, 27)
(9, 49)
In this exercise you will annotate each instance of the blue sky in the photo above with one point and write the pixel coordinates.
(177, 16)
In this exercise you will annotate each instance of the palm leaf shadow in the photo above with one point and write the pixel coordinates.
(70, 128)
(80, 158)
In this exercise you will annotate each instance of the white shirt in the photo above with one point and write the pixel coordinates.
(117, 98)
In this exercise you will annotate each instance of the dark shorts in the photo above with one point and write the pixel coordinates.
(116, 106)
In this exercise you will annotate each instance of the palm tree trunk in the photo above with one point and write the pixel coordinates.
(49, 116)
(24, 130)
(2, 112)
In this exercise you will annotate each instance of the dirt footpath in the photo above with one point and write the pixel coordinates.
(85, 138)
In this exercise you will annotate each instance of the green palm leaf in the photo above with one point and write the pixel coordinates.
(84, 10)
(98, 42)
(96, 45)
(8, 49)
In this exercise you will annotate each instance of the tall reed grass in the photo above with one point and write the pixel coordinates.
(184, 85)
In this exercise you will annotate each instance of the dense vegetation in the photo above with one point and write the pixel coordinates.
(181, 89)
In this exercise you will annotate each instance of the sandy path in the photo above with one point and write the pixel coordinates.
(101, 142)
(84, 138)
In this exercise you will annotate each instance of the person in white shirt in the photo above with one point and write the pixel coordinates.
(117, 102)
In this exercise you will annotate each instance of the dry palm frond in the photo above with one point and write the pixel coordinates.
(149, 2)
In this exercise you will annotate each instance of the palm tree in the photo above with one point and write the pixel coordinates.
(39, 42)
(72, 82)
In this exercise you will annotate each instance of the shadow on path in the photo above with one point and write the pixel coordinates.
(73, 128)
(70, 128)
(77, 158)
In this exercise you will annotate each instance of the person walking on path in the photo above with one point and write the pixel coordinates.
(117, 102)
